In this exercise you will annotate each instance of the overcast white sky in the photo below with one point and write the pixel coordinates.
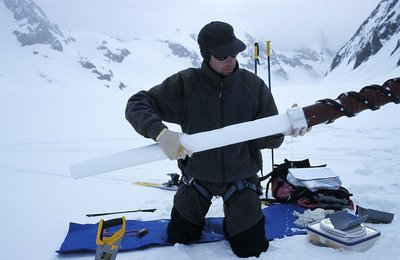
(288, 23)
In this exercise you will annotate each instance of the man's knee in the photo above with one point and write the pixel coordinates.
(181, 230)
(251, 242)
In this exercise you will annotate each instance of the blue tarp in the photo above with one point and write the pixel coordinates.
(82, 237)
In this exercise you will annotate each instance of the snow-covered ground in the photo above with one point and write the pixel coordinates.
(53, 114)
(45, 126)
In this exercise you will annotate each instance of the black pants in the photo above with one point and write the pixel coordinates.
(243, 222)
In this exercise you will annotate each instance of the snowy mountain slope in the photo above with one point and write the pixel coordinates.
(108, 59)
(296, 65)
(33, 26)
(311, 63)
(110, 62)
(98, 60)
(55, 112)
(378, 36)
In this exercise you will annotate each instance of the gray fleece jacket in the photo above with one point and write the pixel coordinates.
(199, 99)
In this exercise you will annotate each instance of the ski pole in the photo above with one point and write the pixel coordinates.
(268, 51)
(256, 54)
(119, 212)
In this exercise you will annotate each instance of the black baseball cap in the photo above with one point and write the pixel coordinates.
(219, 39)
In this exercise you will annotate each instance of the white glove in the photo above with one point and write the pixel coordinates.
(296, 131)
(171, 146)
(310, 216)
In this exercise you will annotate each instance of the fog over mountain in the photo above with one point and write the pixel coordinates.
(287, 23)
(160, 36)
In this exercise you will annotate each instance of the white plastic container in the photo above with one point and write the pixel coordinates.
(360, 242)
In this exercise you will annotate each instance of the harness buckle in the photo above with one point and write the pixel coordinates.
(241, 185)
(188, 180)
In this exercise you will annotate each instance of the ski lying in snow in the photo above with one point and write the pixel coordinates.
(323, 111)
(156, 185)
(172, 184)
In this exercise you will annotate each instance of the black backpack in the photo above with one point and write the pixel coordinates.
(284, 192)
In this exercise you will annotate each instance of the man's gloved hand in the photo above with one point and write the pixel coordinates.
(297, 131)
(171, 146)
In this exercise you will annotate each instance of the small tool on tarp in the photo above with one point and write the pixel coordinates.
(108, 246)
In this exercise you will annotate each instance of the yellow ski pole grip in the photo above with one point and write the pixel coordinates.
(268, 49)
(256, 51)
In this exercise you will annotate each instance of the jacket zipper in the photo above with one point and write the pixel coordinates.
(222, 125)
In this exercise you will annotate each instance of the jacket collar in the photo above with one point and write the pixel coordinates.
(214, 79)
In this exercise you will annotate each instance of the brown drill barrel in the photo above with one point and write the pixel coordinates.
(370, 97)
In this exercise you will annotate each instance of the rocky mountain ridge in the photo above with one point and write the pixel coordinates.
(109, 60)
(376, 32)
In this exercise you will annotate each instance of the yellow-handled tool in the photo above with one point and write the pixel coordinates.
(107, 247)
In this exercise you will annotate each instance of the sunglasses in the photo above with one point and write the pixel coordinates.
(226, 57)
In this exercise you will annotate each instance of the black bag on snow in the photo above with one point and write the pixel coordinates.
(284, 192)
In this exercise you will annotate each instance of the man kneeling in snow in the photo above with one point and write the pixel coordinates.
(201, 99)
